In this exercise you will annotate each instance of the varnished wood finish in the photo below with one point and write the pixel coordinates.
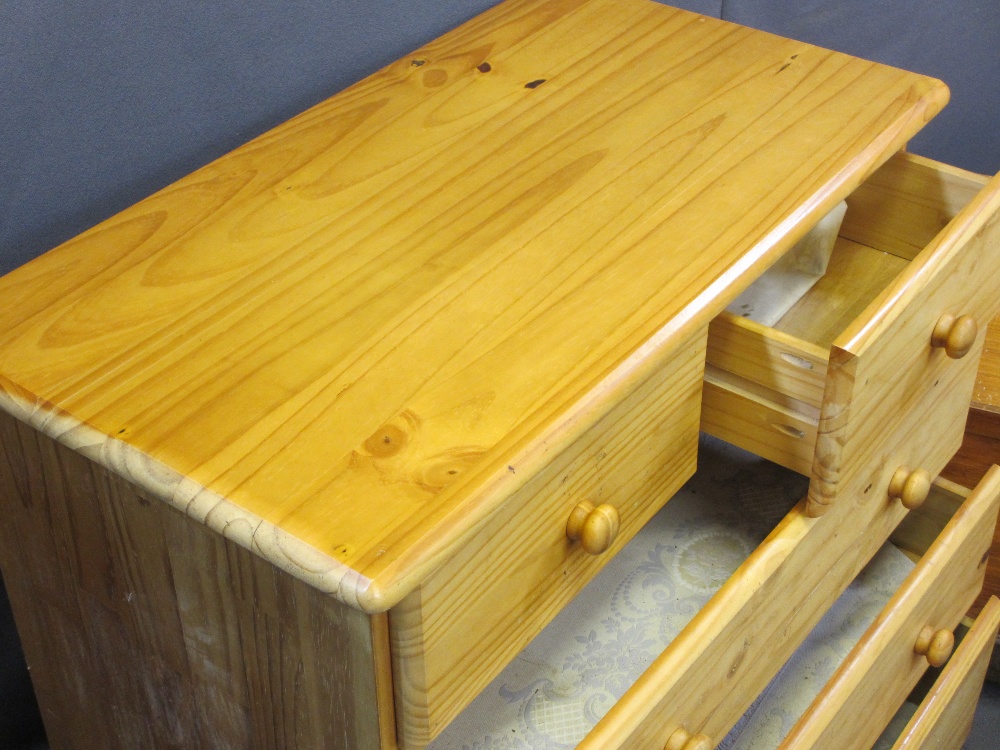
(681, 739)
(981, 444)
(446, 642)
(945, 716)
(907, 202)
(760, 420)
(143, 629)
(341, 335)
(956, 335)
(776, 360)
(858, 702)
(884, 317)
(857, 275)
(986, 397)
(918, 531)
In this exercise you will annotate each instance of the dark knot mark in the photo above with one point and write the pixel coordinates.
(484, 67)
(417, 63)
(534, 84)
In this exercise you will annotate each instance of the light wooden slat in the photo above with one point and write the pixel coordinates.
(945, 717)
(740, 413)
(443, 246)
(733, 647)
(776, 360)
(855, 276)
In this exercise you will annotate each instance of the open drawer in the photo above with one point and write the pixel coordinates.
(915, 629)
(727, 645)
(886, 342)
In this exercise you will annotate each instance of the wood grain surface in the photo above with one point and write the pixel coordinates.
(981, 444)
(337, 338)
(717, 666)
(986, 397)
(759, 420)
(144, 629)
(904, 205)
(756, 399)
(765, 355)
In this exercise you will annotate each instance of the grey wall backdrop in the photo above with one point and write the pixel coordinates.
(105, 101)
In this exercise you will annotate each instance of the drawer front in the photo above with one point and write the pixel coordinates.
(472, 616)
(711, 673)
(887, 371)
(945, 717)
(861, 698)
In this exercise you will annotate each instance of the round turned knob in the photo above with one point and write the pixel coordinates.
(936, 645)
(681, 739)
(955, 335)
(595, 528)
(911, 487)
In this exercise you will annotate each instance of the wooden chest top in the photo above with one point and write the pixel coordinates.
(341, 343)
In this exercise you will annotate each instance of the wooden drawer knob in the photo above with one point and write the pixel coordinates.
(936, 645)
(911, 487)
(595, 528)
(955, 335)
(681, 739)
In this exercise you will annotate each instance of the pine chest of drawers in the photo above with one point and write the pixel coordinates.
(302, 450)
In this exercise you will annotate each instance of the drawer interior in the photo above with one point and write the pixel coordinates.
(765, 385)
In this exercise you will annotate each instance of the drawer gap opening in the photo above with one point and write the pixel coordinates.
(574, 671)
(791, 693)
